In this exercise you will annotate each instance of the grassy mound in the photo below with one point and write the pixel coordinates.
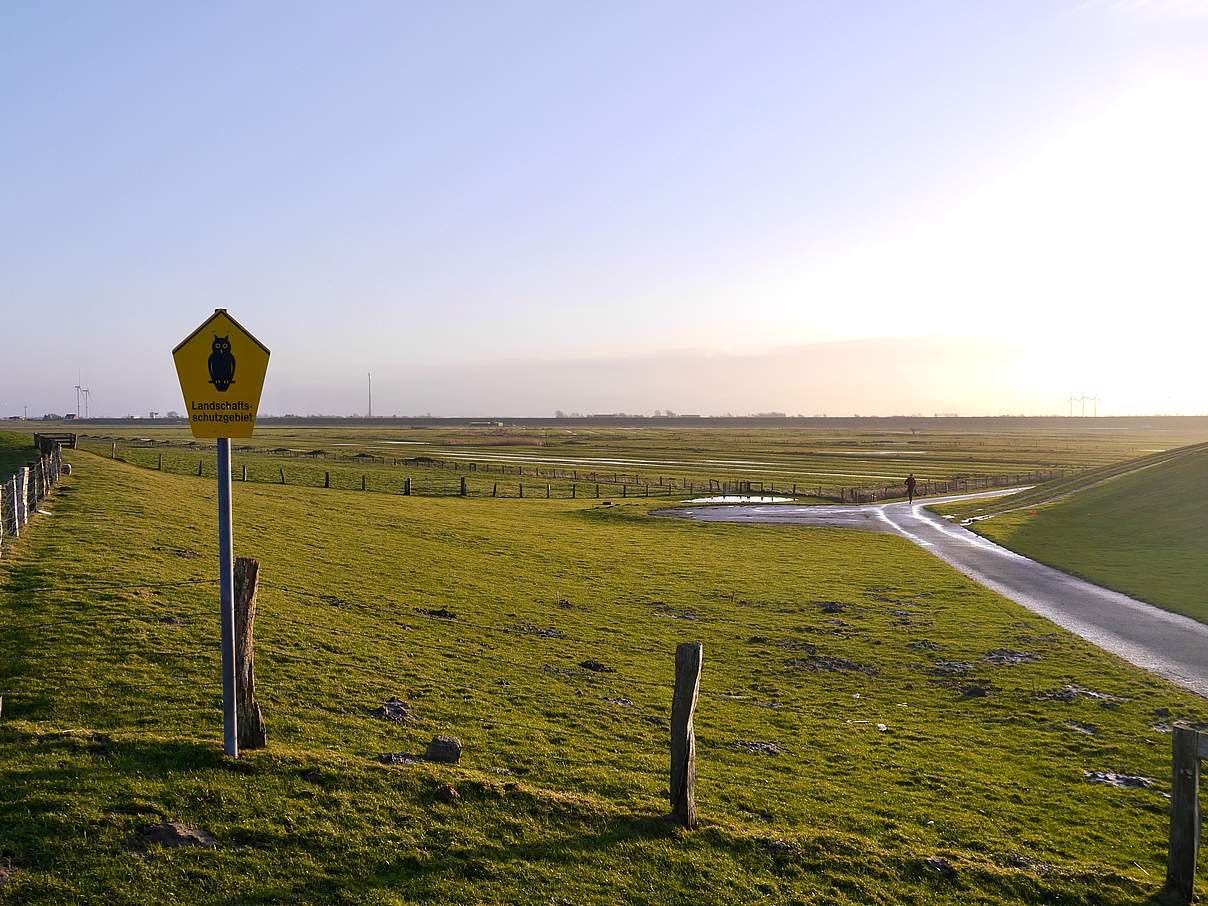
(1142, 533)
(873, 727)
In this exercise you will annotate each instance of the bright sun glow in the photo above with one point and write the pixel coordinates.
(1092, 248)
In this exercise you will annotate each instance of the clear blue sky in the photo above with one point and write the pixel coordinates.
(488, 204)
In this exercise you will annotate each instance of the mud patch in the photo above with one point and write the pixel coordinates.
(394, 710)
(1122, 781)
(828, 663)
(440, 613)
(832, 606)
(1070, 692)
(1005, 657)
(173, 835)
(757, 748)
(950, 668)
(539, 631)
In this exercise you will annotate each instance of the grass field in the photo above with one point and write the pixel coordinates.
(813, 641)
(810, 458)
(16, 450)
(1139, 531)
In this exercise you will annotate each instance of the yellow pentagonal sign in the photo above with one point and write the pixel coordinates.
(221, 368)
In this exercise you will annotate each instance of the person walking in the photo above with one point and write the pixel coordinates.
(910, 486)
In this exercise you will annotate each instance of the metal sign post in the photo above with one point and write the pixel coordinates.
(226, 594)
(221, 369)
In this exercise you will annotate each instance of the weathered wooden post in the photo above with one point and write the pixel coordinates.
(161, 462)
(23, 495)
(522, 488)
(113, 451)
(573, 488)
(327, 479)
(10, 506)
(461, 492)
(199, 468)
(624, 490)
(547, 492)
(249, 720)
(363, 483)
(407, 487)
(683, 735)
(1187, 747)
(597, 490)
(495, 489)
(282, 474)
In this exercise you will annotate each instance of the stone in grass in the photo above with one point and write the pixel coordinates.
(174, 835)
(447, 793)
(597, 667)
(445, 749)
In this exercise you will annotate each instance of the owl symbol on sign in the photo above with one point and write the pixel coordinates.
(222, 363)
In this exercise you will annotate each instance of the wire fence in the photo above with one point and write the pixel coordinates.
(433, 477)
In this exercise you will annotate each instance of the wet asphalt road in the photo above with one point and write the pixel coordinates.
(1172, 646)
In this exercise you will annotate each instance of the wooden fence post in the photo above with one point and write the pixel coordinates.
(495, 489)
(573, 488)
(245, 473)
(522, 487)
(282, 475)
(1184, 816)
(363, 483)
(407, 487)
(688, 657)
(199, 468)
(113, 451)
(547, 492)
(10, 512)
(252, 733)
(624, 491)
(160, 466)
(23, 495)
(327, 479)
(597, 490)
(461, 491)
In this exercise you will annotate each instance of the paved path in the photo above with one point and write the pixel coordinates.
(1172, 646)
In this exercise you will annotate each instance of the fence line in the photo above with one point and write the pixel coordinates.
(22, 491)
(588, 485)
(591, 476)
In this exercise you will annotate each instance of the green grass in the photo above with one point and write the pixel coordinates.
(808, 457)
(1142, 533)
(112, 716)
(16, 450)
